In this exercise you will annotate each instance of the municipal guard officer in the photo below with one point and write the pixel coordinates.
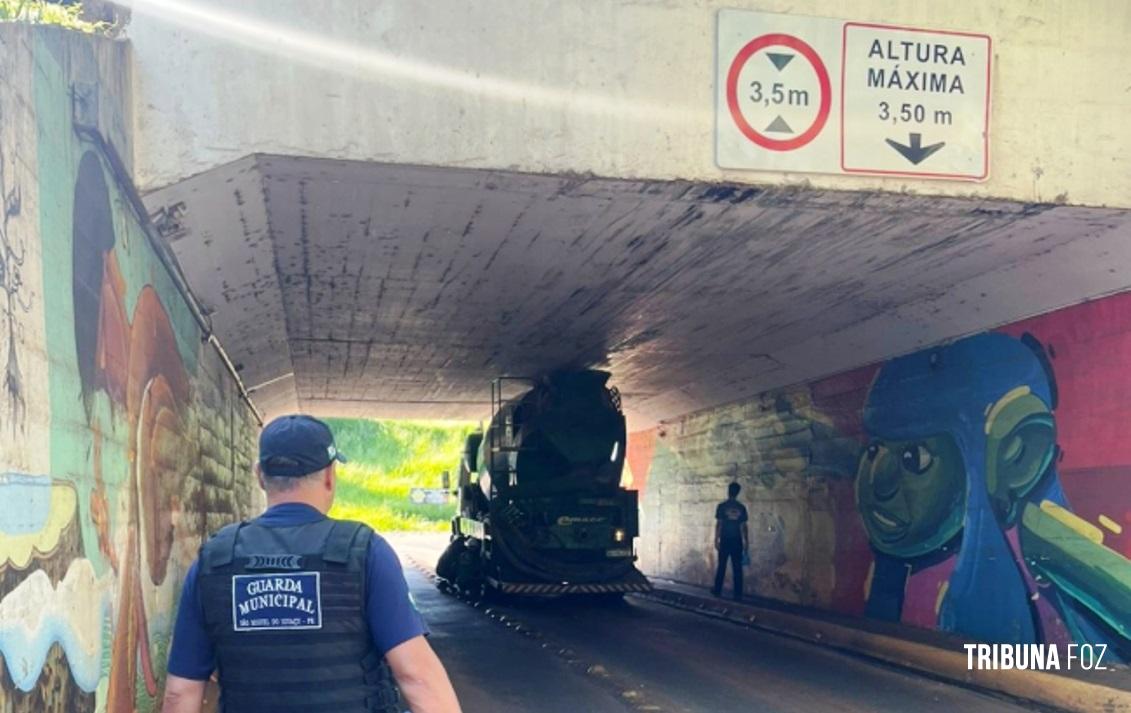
(298, 612)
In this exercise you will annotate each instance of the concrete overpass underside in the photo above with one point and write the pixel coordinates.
(345, 287)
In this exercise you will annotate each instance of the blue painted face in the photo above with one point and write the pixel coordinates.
(930, 416)
(959, 435)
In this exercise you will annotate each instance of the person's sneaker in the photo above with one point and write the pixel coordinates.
(716, 593)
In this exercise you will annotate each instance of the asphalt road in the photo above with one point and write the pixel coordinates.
(638, 655)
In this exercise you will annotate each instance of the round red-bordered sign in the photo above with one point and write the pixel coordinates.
(825, 87)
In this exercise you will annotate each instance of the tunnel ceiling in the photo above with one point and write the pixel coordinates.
(354, 288)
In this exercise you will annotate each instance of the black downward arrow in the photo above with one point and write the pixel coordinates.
(916, 152)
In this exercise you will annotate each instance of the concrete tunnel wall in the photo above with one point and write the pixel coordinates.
(1044, 403)
(123, 438)
(613, 89)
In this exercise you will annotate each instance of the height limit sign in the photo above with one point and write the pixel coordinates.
(822, 95)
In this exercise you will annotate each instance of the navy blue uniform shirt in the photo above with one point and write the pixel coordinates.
(393, 618)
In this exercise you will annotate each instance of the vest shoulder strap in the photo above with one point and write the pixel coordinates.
(220, 550)
(340, 541)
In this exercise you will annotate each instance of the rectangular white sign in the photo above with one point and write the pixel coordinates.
(820, 95)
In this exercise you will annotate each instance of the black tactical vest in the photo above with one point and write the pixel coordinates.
(285, 611)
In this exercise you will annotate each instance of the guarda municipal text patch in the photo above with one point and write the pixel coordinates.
(264, 602)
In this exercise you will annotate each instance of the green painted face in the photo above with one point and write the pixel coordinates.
(911, 494)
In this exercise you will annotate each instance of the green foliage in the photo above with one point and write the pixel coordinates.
(42, 12)
(387, 459)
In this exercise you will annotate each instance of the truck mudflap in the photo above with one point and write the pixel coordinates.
(637, 583)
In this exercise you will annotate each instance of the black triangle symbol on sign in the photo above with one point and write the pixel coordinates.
(779, 60)
(779, 126)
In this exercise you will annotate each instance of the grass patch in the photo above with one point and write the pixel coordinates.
(41, 12)
(387, 460)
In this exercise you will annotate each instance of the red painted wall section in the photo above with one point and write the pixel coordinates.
(1090, 351)
(641, 446)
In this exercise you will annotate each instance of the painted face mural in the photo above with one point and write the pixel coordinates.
(138, 456)
(959, 482)
(978, 487)
(910, 494)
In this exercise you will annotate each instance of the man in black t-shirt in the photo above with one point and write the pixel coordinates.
(731, 540)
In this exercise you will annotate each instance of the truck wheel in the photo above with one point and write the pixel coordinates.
(469, 578)
(447, 567)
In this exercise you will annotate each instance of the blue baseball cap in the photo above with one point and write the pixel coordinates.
(296, 445)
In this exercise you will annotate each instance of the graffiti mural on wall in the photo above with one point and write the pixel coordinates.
(959, 484)
(143, 445)
(135, 362)
(16, 302)
(989, 497)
